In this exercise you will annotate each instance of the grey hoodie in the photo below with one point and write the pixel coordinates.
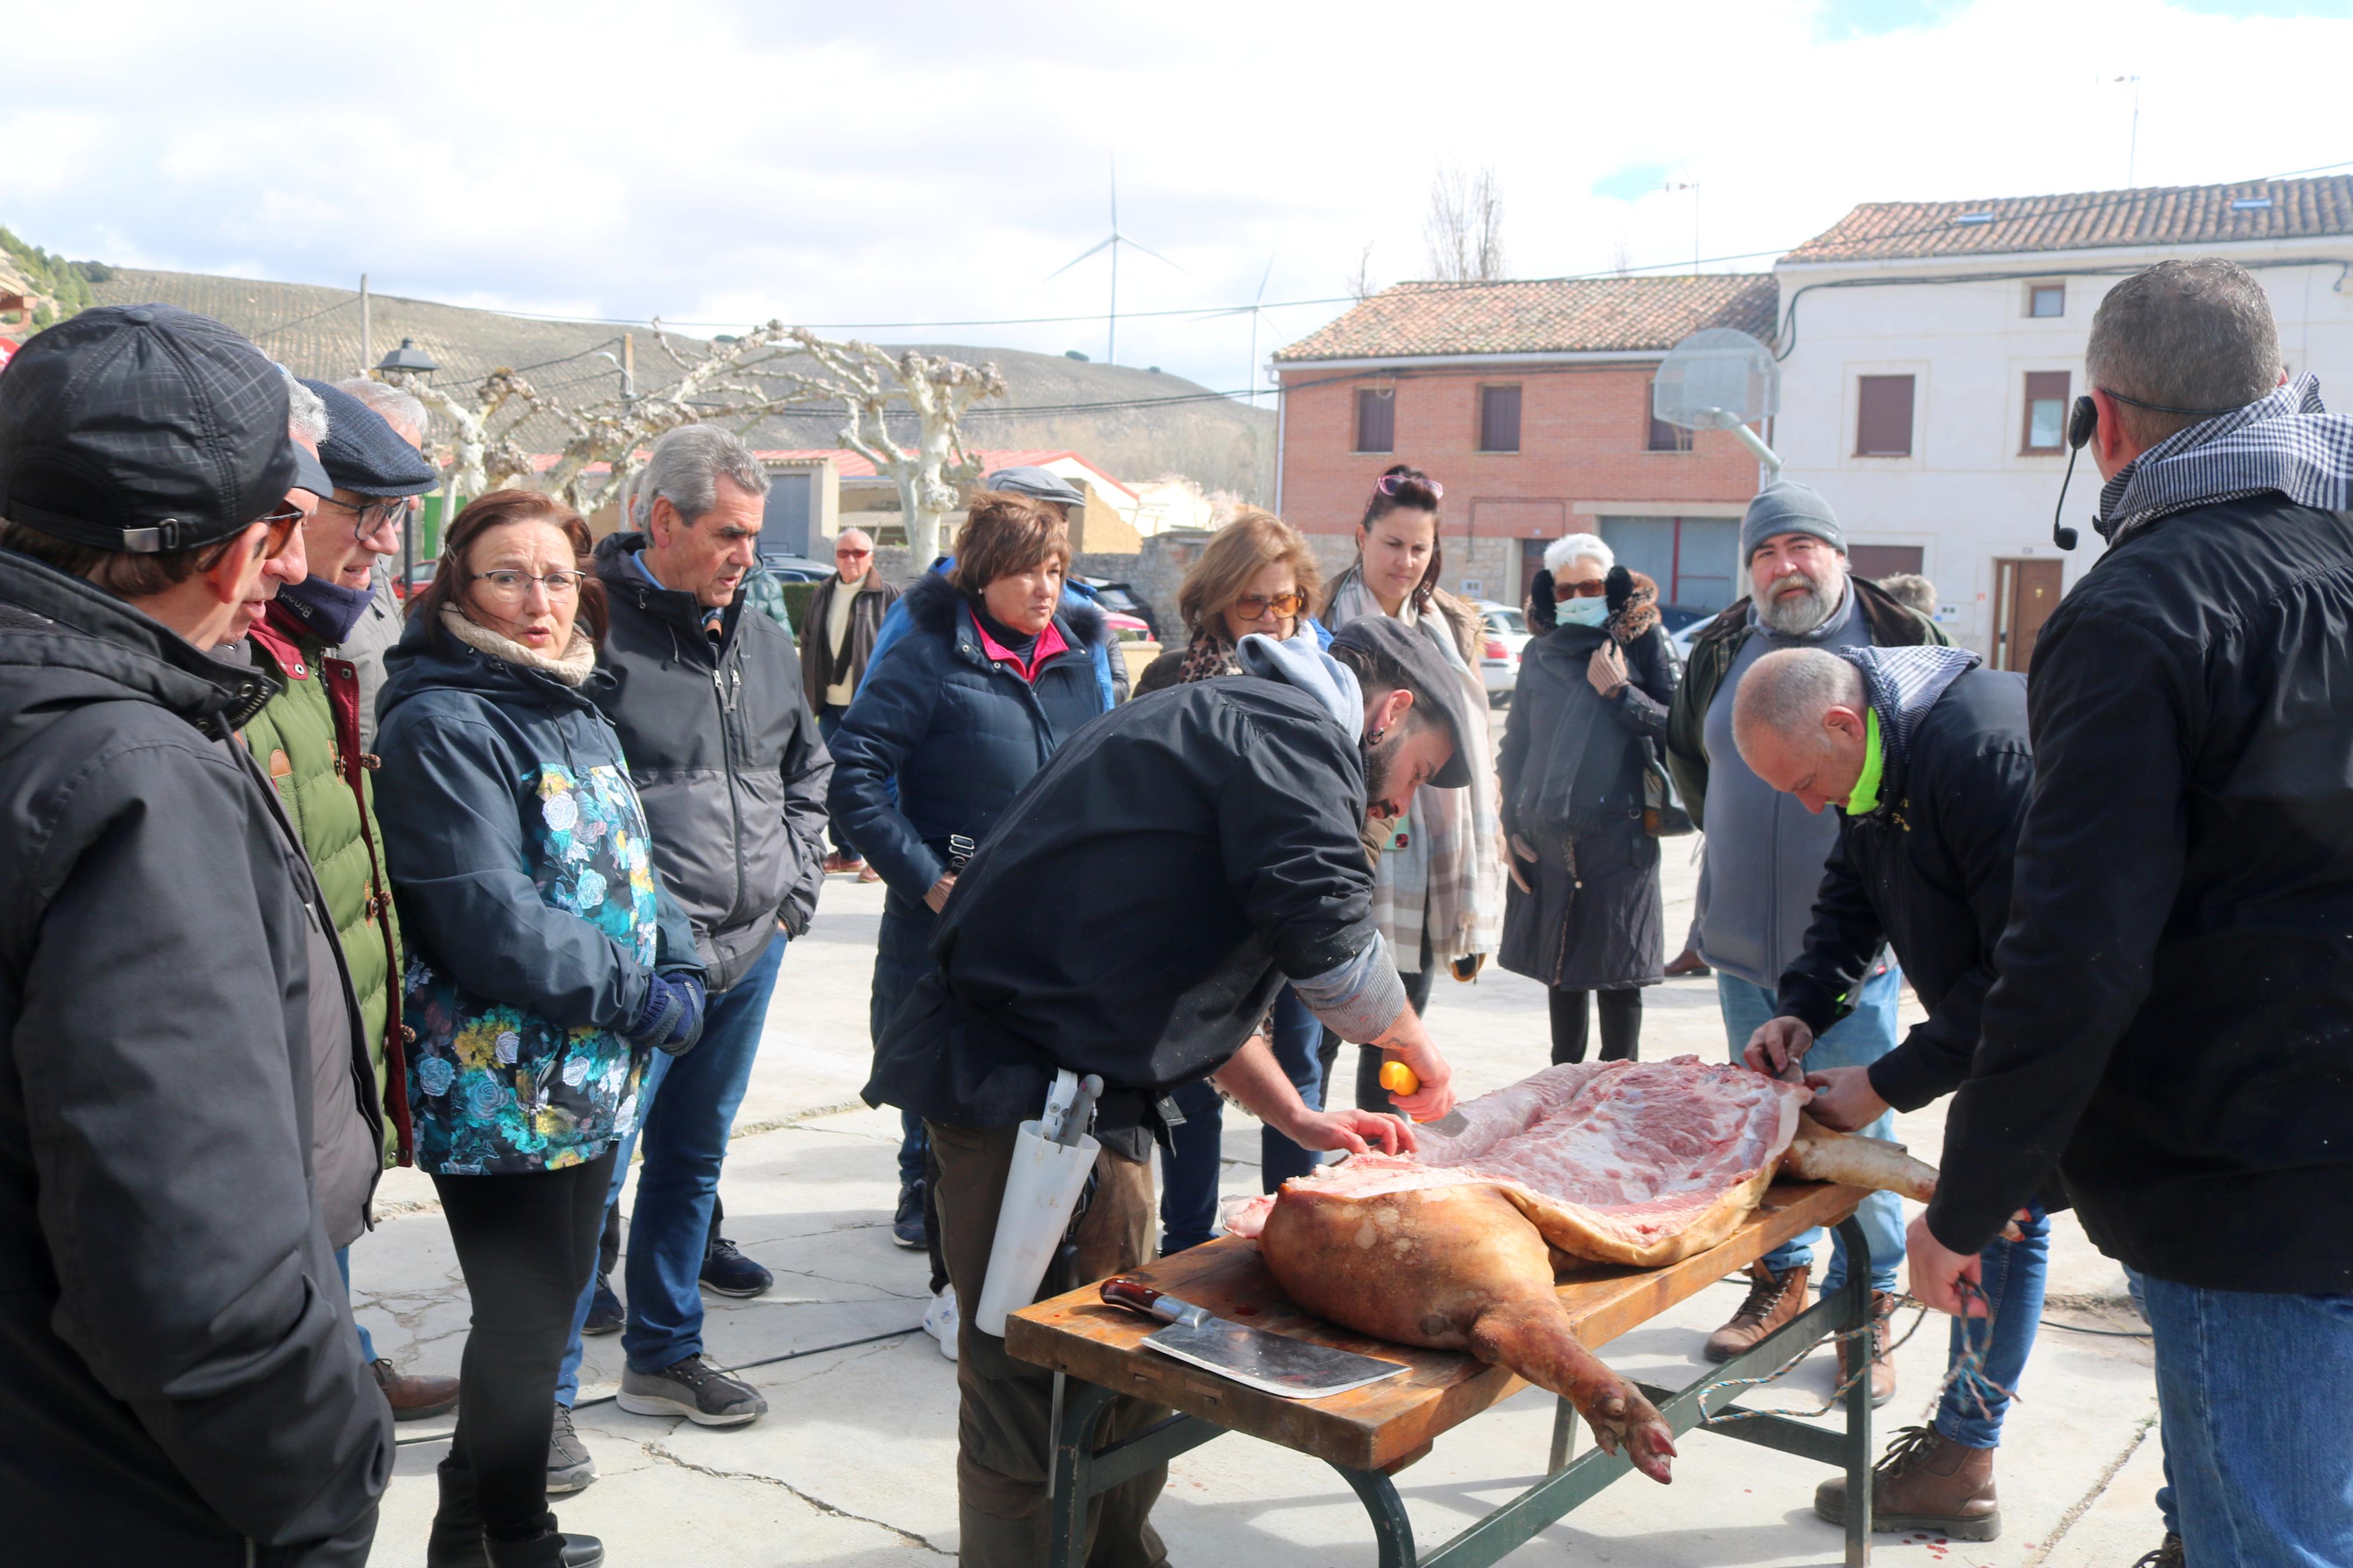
(1762, 860)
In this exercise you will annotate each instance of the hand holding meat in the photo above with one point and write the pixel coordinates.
(1354, 1131)
(1844, 1100)
(1777, 1044)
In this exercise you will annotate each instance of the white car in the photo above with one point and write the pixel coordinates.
(1505, 634)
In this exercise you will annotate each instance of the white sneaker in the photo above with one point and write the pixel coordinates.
(940, 1322)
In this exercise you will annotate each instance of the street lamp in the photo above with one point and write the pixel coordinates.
(407, 357)
(410, 360)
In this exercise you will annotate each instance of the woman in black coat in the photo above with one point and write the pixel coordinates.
(1583, 910)
(990, 679)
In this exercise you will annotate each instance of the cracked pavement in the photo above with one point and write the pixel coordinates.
(854, 1467)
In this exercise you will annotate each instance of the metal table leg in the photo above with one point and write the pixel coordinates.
(1082, 1470)
(1391, 1530)
(1857, 1316)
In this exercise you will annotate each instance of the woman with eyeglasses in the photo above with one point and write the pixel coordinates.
(1256, 577)
(1583, 914)
(1438, 888)
(546, 965)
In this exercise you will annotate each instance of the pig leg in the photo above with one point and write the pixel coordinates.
(1456, 1267)
(1818, 1155)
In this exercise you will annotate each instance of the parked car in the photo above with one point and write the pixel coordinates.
(1683, 623)
(796, 568)
(1122, 599)
(1507, 634)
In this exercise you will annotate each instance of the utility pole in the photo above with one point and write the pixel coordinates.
(2132, 147)
(628, 366)
(367, 347)
(1693, 186)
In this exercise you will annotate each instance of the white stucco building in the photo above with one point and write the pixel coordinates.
(1932, 351)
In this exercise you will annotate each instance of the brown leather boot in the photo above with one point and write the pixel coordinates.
(413, 1398)
(1925, 1482)
(1771, 1302)
(1883, 1364)
(2168, 1555)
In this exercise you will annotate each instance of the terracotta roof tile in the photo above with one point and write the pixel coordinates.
(1559, 315)
(2172, 214)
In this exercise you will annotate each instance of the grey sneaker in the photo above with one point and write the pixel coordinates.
(693, 1388)
(569, 1468)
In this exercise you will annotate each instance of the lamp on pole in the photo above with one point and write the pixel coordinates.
(408, 359)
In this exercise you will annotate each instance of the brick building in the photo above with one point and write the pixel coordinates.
(1530, 401)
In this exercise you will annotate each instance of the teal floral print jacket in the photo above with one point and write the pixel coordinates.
(520, 857)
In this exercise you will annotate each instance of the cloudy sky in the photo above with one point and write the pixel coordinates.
(872, 167)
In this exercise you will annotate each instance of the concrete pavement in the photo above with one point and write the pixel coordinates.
(855, 1465)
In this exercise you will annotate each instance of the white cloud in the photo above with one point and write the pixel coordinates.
(933, 163)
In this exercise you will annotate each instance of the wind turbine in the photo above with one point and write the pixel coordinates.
(1112, 244)
(1252, 310)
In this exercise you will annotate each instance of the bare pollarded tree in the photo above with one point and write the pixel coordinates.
(868, 380)
(738, 381)
(1464, 231)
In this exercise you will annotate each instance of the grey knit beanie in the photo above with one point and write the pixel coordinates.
(1787, 507)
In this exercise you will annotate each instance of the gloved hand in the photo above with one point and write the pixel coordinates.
(672, 1015)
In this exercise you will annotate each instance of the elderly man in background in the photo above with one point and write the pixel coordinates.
(181, 1380)
(307, 740)
(379, 628)
(845, 615)
(1762, 862)
(707, 700)
(2172, 1026)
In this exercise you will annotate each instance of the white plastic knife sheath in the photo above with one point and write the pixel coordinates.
(1039, 1192)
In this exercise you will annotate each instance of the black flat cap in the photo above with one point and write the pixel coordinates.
(1435, 683)
(364, 454)
(141, 427)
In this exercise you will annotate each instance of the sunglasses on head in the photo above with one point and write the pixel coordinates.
(1389, 484)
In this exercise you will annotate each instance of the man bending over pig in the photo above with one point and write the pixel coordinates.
(1133, 915)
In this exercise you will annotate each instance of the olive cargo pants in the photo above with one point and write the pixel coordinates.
(1007, 1406)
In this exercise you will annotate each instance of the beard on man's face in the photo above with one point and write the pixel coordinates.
(1795, 603)
(1381, 774)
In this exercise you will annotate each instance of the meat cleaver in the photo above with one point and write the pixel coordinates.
(1287, 1368)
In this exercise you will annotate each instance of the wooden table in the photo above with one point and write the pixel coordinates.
(1368, 1433)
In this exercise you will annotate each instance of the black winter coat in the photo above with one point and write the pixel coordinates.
(961, 733)
(725, 755)
(1571, 771)
(2173, 1020)
(1139, 907)
(179, 1379)
(1929, 873)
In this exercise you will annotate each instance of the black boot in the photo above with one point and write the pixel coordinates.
(551, 1548)
(456, 1538)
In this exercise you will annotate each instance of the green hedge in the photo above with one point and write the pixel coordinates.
(797, 602)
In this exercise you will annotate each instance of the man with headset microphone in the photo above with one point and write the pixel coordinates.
(2171, 1028)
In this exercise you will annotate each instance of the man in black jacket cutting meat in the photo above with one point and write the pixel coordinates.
(2172, 1026)
(1133, 915)
(1925, 753)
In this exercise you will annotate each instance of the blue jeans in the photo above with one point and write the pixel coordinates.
(2255, 1391)
(1190, 1170)
(2137, 1282)
(344, 1268)
(1974, 1404)
(1860, 1038)
(686, 1108)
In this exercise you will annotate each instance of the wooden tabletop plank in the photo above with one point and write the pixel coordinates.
(1386, 1422)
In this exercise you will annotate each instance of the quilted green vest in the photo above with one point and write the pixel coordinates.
(307, 741)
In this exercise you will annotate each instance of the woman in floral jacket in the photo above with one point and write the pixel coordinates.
(546, 965)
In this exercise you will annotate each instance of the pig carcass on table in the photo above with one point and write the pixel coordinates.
(1633, 1163)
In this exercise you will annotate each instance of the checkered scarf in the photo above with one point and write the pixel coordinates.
(2285, 442)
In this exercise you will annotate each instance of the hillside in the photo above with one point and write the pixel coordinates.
(1130, 422)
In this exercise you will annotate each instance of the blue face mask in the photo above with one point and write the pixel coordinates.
(1581, 612)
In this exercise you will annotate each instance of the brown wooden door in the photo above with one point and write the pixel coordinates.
(2026, 592)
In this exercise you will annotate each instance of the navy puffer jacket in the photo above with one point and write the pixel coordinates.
(959, 732)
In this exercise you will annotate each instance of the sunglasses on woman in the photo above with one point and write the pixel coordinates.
(1256, 606)
(1389, 484)
(1579, 590)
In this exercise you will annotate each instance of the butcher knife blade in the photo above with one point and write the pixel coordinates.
(1287, 1368)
